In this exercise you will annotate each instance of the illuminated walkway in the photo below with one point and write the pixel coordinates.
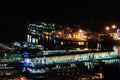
(75, 57)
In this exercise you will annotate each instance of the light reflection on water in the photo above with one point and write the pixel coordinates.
(86, 71)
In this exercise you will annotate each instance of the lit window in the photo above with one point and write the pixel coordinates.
(33, 40)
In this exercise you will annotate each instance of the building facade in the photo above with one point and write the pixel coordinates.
(54, 36)
(41, 33)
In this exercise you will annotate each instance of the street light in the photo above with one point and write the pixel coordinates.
(80, 30)
(113, 26)
(107, 28)
(111, 30)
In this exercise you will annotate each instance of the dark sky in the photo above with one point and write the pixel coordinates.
(14, 14)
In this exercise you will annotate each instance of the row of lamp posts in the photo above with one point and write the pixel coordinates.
(111, 30)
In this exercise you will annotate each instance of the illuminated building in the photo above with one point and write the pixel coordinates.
(41, 33)
(53, 36)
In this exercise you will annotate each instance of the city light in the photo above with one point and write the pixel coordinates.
(113, 26)
(107, 28)
(80, 30)
(111, 30)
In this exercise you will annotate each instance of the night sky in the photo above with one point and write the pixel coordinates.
(14, 14)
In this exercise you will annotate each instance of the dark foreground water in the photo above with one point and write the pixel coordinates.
(112, 71)
(74, 71)
(80, 71)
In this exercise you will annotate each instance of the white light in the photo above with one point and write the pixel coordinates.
(113, 26)
(61, 43)
(80, 30)
(107, 28)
